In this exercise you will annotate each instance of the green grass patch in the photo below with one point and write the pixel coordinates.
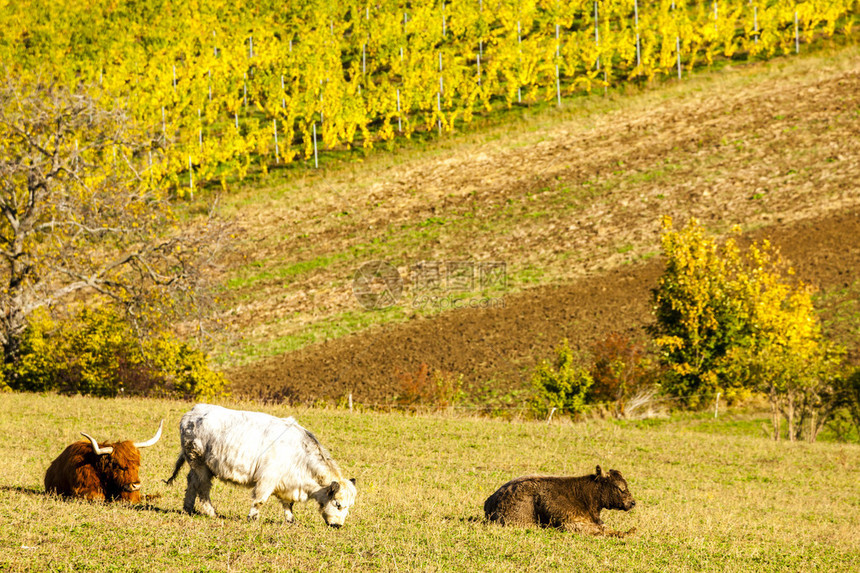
(259, 271)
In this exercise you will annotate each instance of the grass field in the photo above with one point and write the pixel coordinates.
(706, 499)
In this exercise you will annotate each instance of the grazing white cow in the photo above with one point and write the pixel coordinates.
(274, 456)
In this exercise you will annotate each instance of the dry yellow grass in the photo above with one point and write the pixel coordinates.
(708, 497)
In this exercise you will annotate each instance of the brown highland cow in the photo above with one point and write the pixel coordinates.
(94, 471)
(569, 503)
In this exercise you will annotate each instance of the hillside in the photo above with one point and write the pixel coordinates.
(569, 200)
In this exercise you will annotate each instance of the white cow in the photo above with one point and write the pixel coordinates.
(271, 455)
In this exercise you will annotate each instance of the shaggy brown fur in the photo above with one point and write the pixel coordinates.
(570, 503)
(80, 472)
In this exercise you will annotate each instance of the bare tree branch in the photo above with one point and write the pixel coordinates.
(77, 215)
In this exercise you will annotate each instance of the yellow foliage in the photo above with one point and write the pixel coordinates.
(98, 353)
(187, 69)
(719, 306)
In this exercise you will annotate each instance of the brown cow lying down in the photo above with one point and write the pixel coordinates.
(570, 503)
(105, 472)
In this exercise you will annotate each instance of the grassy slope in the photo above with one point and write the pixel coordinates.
(706, 501)
(556, 194)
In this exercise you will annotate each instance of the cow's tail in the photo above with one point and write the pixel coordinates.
(180, 461)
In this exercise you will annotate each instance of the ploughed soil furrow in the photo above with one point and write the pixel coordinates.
(501, 344)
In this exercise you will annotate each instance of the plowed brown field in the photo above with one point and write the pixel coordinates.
(775, 149)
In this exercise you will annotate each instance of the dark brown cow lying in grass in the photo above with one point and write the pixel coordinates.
(570, 503)
(104, 472)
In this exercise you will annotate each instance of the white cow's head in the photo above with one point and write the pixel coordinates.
(335, 501)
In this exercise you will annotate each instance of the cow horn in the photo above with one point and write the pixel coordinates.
(99, 451)
(152, 441)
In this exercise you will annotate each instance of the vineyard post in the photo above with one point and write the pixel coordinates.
(441, 83)
(596, 34)
(520, 62)
(250, 46)
(444, 27)
(557, 58)
(210, 84)
(717, 404)
(796, 35)
(678, 49)
(316, 159)
(715, 16)
(439, 109)
(277, 151)
(755, 24)
(200, 129)
(636, 23)
(557, 85)
(478, 60)
(245, 89)
(236, 116)
(190, 179)
(399, 121)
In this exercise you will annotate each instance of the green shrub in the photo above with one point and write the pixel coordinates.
(98, 353)
(562, 384)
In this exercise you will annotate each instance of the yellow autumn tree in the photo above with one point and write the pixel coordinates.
(782, 352)
(697, 318)
(731, 320)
